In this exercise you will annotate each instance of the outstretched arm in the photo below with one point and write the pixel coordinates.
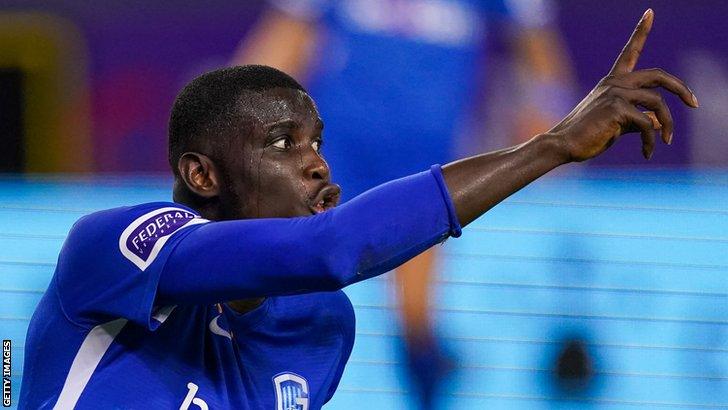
(367, 236)
(610, 110)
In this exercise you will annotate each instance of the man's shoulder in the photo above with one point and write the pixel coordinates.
(136, 231)
(131, 212)
(114, 219)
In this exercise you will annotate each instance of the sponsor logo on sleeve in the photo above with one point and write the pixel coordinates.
(142, 240)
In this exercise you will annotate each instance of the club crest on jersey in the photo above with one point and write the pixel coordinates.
(291, 392)
(142, 240)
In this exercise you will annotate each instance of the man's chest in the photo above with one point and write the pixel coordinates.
(200, 359)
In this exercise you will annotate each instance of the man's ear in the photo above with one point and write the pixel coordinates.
(199, 174)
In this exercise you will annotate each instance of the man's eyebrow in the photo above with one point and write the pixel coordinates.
(290, 123)
(284, 123)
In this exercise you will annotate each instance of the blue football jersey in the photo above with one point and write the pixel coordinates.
(135, 315)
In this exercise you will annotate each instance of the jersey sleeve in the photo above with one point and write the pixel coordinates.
(367, 236)
(110, 265)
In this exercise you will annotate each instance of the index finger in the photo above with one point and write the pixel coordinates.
(627, 59)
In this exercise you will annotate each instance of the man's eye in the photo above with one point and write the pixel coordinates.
(283, 143)
(317, 145)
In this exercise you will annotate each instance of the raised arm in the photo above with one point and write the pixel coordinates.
(367, 236)
(610, 110)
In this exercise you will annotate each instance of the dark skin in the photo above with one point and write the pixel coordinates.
(276, 170)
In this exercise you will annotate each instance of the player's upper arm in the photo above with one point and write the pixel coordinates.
(110, 264)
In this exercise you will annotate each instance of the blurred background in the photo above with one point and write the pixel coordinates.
(604, 285)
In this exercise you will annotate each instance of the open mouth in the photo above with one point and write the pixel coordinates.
(327, 198)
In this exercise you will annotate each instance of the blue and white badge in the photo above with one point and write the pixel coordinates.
(291, 392)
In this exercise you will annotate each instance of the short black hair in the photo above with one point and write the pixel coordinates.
(204, 110)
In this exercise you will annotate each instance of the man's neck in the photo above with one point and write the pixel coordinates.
(211, 211)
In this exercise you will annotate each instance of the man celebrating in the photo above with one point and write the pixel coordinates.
(230, 296)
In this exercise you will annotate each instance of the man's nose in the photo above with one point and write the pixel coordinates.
(316, 167)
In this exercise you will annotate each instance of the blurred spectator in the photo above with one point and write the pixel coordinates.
(393, 79)
(708, 76)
